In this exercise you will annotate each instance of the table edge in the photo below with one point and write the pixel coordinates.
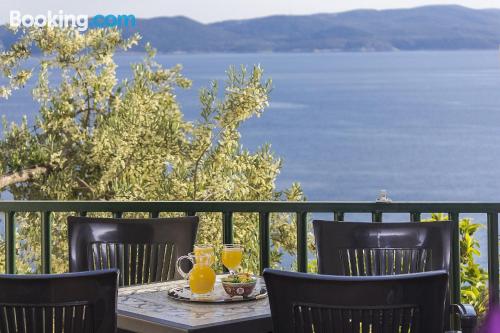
(155, 322)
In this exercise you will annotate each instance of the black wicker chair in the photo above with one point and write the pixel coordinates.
(82, 302)
(372, 249)
(307, 303)
(144, 250)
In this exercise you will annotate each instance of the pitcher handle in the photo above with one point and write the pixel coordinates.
(178, 266)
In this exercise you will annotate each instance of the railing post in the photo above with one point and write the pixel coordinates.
(302, 242)
(83, 213)
(338, 216)
(117, 215)
(264, 241)
(10, 243)
(377, 217)
(154, 215)
(493, 258)
(46, 243)
(415, 217)
(455, 260)
(190, 213)
(227, 230)
(227, 227)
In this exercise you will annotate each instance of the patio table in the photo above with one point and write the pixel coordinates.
(148, 309)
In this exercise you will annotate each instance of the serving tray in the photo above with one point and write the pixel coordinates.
(183, 293)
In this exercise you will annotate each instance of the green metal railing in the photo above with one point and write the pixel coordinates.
(264, 209)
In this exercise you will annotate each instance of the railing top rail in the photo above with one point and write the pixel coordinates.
(250, 206)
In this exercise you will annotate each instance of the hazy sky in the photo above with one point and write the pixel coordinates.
(215, 10)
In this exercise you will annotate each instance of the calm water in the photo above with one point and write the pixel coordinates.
(423, 125)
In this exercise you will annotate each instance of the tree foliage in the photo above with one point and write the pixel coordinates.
(100, 138)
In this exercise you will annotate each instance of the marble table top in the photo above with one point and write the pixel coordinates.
(151, 304)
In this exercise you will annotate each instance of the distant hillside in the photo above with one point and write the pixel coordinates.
(422, 28)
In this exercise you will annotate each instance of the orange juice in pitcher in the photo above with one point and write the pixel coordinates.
(201, 277)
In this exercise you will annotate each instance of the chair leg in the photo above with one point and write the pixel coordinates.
(467, 316)
(468, 329)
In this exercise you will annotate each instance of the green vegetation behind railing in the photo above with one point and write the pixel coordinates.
(473, 278)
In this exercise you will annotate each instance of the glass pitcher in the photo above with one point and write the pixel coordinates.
(207, 249)
(201, 277)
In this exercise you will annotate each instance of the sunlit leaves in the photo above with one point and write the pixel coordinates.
(128, 140)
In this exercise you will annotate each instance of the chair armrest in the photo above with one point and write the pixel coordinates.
(467, 316)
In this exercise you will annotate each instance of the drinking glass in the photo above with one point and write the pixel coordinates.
(232, 255)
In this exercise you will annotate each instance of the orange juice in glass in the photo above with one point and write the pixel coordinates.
(207, 249)
(232, 254)
(201, 277)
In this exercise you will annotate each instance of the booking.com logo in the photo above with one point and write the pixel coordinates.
(78, 22)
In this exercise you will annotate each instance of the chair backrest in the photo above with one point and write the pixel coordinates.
(144, 250)
(364, 249)
(82, 302)
(307, 303)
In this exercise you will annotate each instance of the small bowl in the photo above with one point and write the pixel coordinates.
(243, 289)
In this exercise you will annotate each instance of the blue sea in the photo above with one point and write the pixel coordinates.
(422, 125)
